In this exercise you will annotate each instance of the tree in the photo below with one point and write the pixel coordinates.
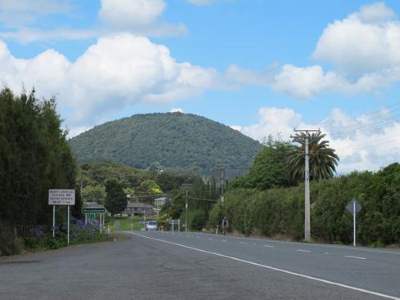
(116, 200)
(94, 193)
(150, 187)
(270, 168)
(323, 159)
(34, 157)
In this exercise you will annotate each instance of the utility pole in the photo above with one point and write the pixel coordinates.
(186, 210)
(307, 205)
(186, 187)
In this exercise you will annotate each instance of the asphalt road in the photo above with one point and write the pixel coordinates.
(161, 265)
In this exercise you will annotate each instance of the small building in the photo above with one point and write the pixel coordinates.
(160, 202)
(138, 208)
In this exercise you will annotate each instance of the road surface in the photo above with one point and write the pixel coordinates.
(162, 265)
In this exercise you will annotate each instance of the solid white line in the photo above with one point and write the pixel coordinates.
(303, 251)
(356, 257)
(268, 246)
(272, 268)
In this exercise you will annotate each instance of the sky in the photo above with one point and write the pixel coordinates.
(261, 67)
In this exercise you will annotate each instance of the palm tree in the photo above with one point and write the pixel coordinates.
(323, 159)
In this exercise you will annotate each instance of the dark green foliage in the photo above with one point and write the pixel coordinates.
(9, 242)
(270, 168)
(280, 211)
(116, 200)
(201, 197)
(323, 159)
(34, 156)
(167, 141)
(197, 219)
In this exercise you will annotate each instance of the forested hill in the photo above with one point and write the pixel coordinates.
(169, 140)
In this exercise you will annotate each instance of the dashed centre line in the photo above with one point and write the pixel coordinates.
(355, 257)
(303, 251)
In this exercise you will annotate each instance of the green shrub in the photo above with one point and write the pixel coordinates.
(10, 244)
(197, 219)
(280, 211)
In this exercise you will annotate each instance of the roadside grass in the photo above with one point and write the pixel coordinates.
(125, 223)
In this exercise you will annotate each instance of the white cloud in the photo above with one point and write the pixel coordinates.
(19, 12)
(117, 71)
(28, 35)
(351, 137)
(125, 14)
(305, 82)
(362, 50)
(364, 42)
(140, 17)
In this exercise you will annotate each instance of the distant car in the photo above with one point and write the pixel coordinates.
(151, 226)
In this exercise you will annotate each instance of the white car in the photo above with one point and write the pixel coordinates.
(151, 226)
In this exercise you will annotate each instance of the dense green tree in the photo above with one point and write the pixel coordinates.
(34, 157)
(323, 159)
(116, 200)
(94, 193)
(270, 168)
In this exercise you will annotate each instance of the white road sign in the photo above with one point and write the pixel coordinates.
(61, 197)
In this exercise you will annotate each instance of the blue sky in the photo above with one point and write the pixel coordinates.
(262, 67)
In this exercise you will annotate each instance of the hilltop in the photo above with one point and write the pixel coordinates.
(167, 140)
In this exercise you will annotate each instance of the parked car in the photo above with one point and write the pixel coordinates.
(151, 226)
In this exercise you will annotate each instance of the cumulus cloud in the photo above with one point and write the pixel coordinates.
(364, 42)
(361, 51)
(137, 16)
(125, 14)
(305, 82)
(350, 136)
(141, 17)
(117, 71)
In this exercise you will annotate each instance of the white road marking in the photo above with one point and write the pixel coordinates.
(224, 241)
(269, 246)
(303, 251)
(356, 257)
(272, 268)
(343, 247)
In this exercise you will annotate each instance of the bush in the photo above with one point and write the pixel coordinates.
(197, 219)
(10, 244)
(280, 211)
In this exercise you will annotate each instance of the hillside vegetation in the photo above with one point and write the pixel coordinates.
(167, 140)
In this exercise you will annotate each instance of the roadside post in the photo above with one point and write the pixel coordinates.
(61, 197)
(186, 187)
(354, 207)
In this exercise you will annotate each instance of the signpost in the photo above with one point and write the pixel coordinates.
(354, 207)
(61, 197)
(91, 210)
